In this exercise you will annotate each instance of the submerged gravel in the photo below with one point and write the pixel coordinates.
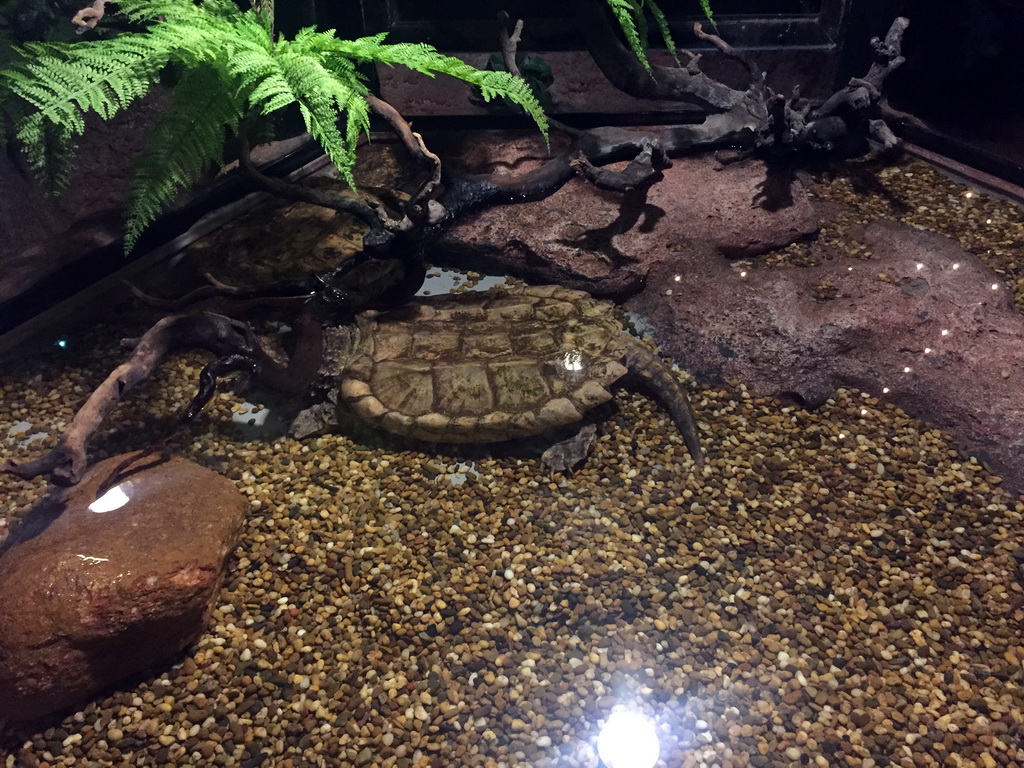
(837, 588)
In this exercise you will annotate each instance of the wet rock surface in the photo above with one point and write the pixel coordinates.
(99, 586)
(698, 204)
(907, 325)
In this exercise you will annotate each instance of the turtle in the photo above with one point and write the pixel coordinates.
(486, 366)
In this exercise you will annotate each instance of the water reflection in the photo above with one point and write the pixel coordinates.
(573, 360)
(92, 559)
(113, 499)
(628, 740)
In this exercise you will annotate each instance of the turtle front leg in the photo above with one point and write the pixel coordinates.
(659, 379)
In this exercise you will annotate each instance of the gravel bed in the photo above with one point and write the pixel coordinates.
(837, 588)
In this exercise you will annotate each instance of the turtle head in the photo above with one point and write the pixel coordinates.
(357, 284)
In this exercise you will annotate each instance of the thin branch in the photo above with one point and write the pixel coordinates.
(377, 238)
(89, 17)
(421, 209)
(509, 43)
(67, 461)
(726, 49)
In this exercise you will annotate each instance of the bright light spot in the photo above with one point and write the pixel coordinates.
(968, 194)
(61, 343)
(885, 390)
(113, 499)
(863, 411)
(743, 274)
(90, 560)
(573, 360)
(927, 350)
(995, 286)
(920, 267)
(907, 369)
(945, 332)
(628, 740)
(988, 221)
(842, 435)
(957, 265)
(849, 269)
(679, 278)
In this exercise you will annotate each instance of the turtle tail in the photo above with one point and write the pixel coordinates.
(659, 379)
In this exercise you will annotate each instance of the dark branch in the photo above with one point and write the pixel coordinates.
(376, 239)
(226, 338)
(625, 72)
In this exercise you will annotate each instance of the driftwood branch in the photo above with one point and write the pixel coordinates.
(509, 43)
(376, 239)
(224, 337)
(642, 171)
(89, 17)
(67, 462)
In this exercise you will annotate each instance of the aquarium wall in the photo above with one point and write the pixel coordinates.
(795, 42)
(962, 87)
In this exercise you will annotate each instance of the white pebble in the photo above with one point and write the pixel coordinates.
(543, 741)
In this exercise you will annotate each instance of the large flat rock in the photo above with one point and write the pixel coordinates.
(698, 205)
(924, 324)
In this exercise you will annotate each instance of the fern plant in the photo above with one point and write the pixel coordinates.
(632, 17)
(230, 71)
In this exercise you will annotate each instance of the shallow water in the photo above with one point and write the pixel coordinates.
(840, 587)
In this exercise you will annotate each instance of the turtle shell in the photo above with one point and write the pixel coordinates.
(484, 366)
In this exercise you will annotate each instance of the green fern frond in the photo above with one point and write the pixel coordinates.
(322, 97)
(629, 14)
(187, 139)
(663, 28)
(232, 70)
(631, 17)
(705, 5)
(426, 60)
(65, 82)
(52, 159)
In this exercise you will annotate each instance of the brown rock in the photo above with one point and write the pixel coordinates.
(91, 597)
(697, 206)
(932, 339)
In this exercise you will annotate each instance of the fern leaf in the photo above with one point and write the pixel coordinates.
(628, 14)
(321, 97)
(705, 5)
(425, 59)
(662, 23)
(188, 138)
